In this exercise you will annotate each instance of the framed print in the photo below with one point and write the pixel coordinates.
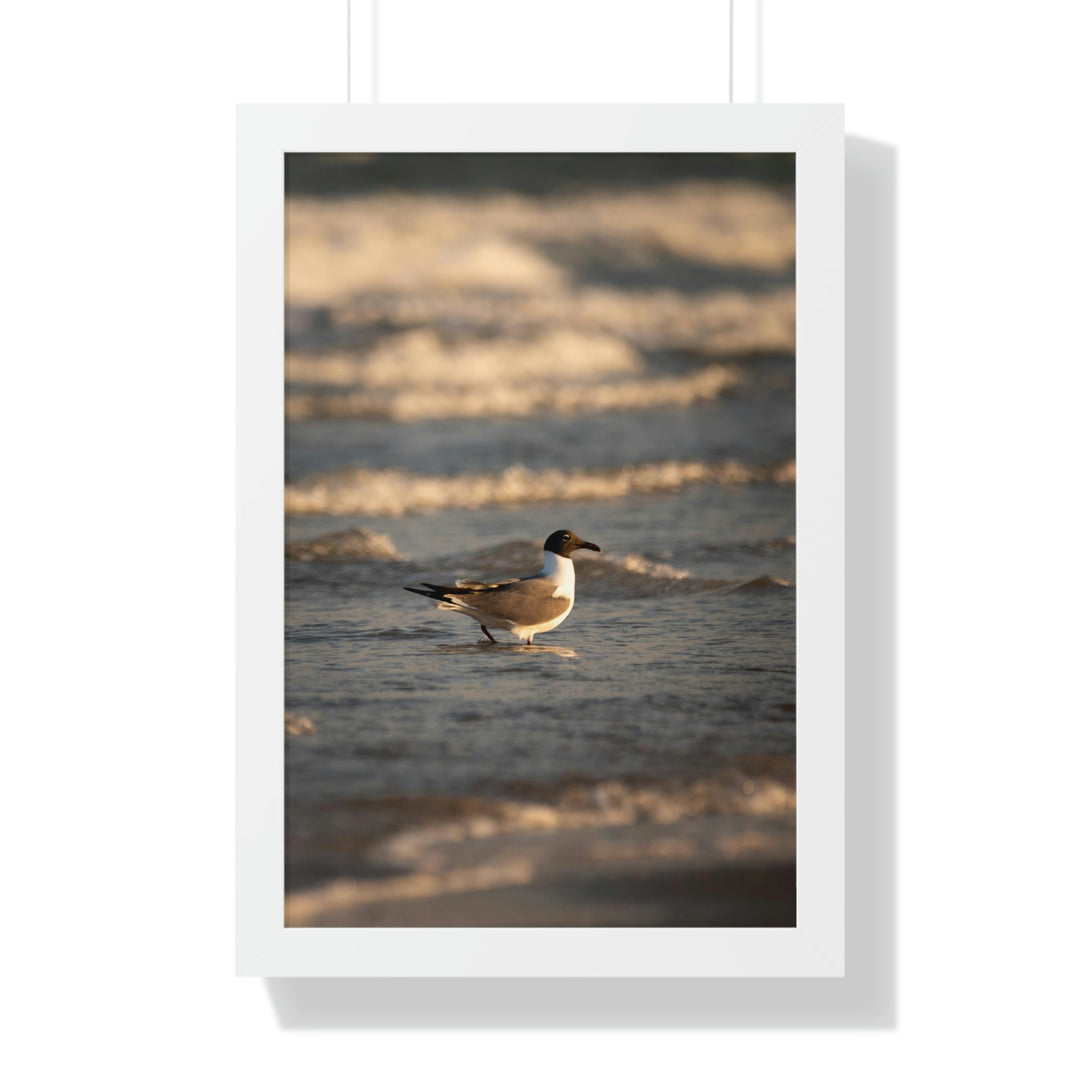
(527, 685)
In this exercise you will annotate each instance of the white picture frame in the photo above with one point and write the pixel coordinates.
(264, 945)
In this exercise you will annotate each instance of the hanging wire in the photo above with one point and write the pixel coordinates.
(375, 51)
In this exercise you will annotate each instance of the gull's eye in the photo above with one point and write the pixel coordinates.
(566, 536)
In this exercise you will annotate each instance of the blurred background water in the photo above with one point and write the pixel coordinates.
(482, 349)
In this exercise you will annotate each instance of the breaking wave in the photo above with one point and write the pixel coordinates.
(351, 545)
(738, 816)
(633, 577)
(297, 724)
(719, 323)
(514, 243)
(392, 493)
(762, 583)
(513, 398)
(421, 358)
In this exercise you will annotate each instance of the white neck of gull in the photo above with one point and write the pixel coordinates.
(561, 570)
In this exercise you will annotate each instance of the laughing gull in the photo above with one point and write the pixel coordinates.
(524, 606)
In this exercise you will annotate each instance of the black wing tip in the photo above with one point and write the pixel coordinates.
(421, 592)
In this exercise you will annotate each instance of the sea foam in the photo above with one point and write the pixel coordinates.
(517, 244)
(723, 322)
(392, 492)
(497, 843)
(350, 545)
(515, 397)
(422, 358)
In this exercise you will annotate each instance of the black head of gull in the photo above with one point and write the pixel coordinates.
(564, 542)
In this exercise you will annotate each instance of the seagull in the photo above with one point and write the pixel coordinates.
(524, 606)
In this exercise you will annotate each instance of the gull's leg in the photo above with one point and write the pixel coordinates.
(488, 636)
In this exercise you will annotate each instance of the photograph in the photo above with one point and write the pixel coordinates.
(540, 540)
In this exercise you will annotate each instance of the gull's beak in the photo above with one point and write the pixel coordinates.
(586, 544)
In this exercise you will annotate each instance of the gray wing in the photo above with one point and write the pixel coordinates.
(528, 602)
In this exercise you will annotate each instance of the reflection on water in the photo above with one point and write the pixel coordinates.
(499, 647)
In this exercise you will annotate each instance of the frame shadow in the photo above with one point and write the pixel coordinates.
(865, 998)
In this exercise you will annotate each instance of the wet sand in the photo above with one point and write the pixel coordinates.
(721, 895)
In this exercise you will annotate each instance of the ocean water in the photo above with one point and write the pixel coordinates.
(479, 353)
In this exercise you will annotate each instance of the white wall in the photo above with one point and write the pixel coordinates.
(117, 210)
(978, 100)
